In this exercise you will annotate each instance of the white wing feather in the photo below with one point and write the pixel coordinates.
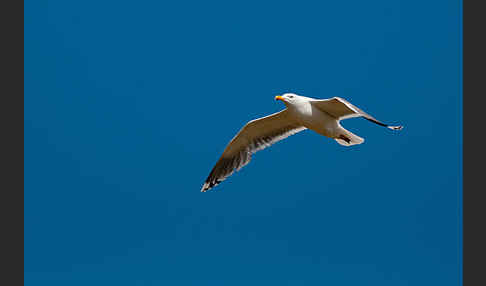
(343, 109)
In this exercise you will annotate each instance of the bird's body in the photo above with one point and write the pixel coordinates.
(320, 115)
(313, 118)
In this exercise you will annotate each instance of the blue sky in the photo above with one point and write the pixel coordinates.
(113, 171)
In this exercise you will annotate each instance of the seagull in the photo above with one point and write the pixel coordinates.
(319, 115)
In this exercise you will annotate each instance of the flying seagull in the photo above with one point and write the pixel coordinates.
(320, 115)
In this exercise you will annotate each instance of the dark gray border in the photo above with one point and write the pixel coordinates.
(474, 93)
(12, 138)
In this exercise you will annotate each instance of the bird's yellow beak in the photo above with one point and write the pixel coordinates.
(278, 97)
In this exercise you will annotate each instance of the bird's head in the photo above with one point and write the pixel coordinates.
(289, 98)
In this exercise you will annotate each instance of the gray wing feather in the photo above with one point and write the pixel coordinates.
(256, 135)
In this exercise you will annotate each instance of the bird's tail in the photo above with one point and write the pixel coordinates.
(347, 138)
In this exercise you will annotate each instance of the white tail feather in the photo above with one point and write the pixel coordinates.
(348, 138)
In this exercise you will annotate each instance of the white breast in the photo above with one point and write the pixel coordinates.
(314, 119)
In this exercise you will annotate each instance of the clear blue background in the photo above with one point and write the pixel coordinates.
(128, 105)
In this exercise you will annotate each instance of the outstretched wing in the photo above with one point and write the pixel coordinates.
(256, 135)
(343, 109)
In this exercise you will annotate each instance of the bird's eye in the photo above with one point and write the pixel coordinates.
(291, 96)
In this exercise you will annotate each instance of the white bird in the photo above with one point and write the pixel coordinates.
(320, 115)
